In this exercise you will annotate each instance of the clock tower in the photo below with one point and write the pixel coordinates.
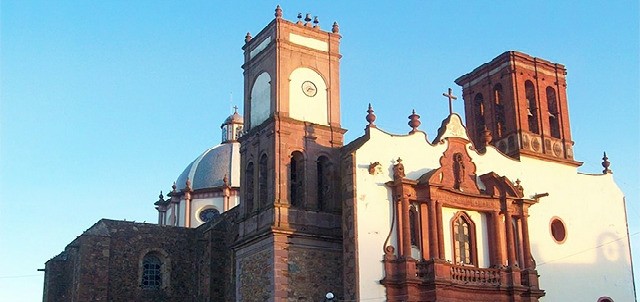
(289, 216)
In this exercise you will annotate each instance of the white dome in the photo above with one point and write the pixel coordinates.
(209, 169)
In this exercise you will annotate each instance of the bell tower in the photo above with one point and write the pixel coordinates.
(289, 216)
(518, 104)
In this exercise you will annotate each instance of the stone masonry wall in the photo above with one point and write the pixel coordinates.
(254, 277)
(314, 272)
(93, 269)
(214, 263)
(105, 264)
(58, 277)
(349, 228)
(131, 241)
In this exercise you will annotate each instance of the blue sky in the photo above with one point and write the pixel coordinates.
(103, 103)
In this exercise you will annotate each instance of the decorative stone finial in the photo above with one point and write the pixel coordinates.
(161, 196)
(335, 28)
(188, 185)
(315, 22)
(486, 135)
(299, 18)
(519, 187)
(247, 38)
(174, 187)
(414, 121)
(278, 13)
(225, 180)
(606, 164)
(398, 169)
(370, 116)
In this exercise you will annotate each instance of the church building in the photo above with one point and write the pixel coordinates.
(491, 209)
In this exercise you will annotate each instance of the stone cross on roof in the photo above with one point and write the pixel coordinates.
(451, 98)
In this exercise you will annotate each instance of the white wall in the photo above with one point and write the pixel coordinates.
(373, 206)
(593, 261)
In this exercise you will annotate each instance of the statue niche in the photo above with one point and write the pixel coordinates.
(456, 171)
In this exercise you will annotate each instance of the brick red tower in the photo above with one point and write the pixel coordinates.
(522, 102)
(289, 238)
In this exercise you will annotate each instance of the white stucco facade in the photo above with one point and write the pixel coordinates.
(593, 261)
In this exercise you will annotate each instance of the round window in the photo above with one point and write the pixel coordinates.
(558, 230)
(208, 214)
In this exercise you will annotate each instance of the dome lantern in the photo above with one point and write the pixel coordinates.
(232, 127)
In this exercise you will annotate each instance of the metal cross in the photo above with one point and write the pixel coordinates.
(451, 98)
(235, 108)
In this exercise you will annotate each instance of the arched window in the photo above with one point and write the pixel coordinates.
(478, 103)
(238, 132)
(414, 227)
(151, 272)
(262, 181)
(325, 171)
(464, 241)
(532, 108)
(225, 133)
(296, 179)
(248, 191)
(499, 111)
(552, 104)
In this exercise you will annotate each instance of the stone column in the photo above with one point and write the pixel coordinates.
(399, 224)
(173, 218)
(526, 249)
(511, 245)
(424, 229)
(499, 259)
(225, 194)
(433, 233)
(187, 210)
(406, 228)
(440, 231)
(187, 201)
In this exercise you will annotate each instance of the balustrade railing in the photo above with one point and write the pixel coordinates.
(432, 270)
(465, 274)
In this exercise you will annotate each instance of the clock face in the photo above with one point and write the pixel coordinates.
(309, 88)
